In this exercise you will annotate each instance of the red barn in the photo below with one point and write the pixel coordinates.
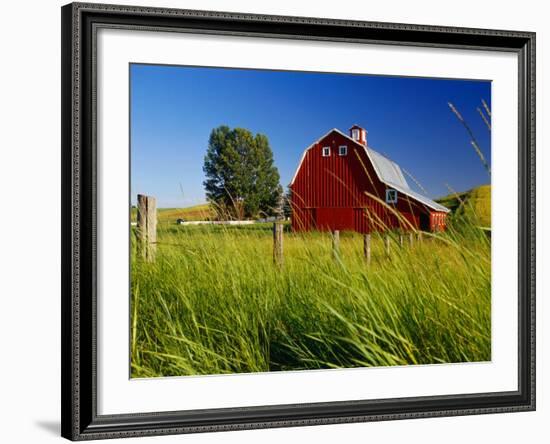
(343, 184)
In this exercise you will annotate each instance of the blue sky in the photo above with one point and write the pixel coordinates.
(174, 109)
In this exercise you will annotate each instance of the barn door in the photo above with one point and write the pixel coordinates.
(332, 218)
(425, 224)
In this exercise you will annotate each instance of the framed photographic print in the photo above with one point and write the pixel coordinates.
(280, 221)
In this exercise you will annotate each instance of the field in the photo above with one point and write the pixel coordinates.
(214, 302)
(170, 215)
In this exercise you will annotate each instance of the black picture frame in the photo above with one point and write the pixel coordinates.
(80, 420)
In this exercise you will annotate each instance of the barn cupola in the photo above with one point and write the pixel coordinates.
(358, 134)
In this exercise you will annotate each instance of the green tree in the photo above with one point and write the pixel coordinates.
(241, 177)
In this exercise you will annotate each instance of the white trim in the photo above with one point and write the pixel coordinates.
(325, 149)
(401, 189)
(117, 393)
(345, 153)
(389, 190)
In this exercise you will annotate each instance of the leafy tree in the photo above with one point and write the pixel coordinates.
(241, 178)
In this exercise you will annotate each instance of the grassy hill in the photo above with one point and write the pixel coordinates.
(170, 215)
(196, 212)
(474, 204)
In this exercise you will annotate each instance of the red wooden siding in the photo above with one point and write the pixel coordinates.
(437, 221)
(344, 193)
(334, 217)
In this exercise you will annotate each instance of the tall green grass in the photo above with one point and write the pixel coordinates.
(214, 302)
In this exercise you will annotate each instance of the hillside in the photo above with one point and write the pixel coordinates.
(475, 204)
(196, 212)
(170, 215)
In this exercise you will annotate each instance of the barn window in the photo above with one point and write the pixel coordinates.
(391, 196)
(343, 150)
(326, 151)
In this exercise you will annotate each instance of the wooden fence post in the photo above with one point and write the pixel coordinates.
(336, 243)
(387, 244)
(411, 239)
(366, 247)
(147, 227)
(420, 236)
(278, 243)
(401, 240)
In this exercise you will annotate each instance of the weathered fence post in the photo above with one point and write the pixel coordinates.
(278, 243)
(366, 247)
(401, 240)
(336, 243)
(387, 244)
(411, 239)
(419, 236)
(147, 226)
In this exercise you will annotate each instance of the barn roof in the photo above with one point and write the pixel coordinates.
(391, 174)
(387, 171)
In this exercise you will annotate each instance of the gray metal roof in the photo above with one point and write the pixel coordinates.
(387, 170)
(421, 198)
(390, 173)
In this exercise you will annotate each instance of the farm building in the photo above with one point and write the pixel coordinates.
(343, 184)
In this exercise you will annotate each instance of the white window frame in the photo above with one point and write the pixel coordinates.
(388, 200)
(326, 149)
(356, 134)
(345, 153)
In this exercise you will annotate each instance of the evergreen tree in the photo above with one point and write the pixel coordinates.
(241, 177)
